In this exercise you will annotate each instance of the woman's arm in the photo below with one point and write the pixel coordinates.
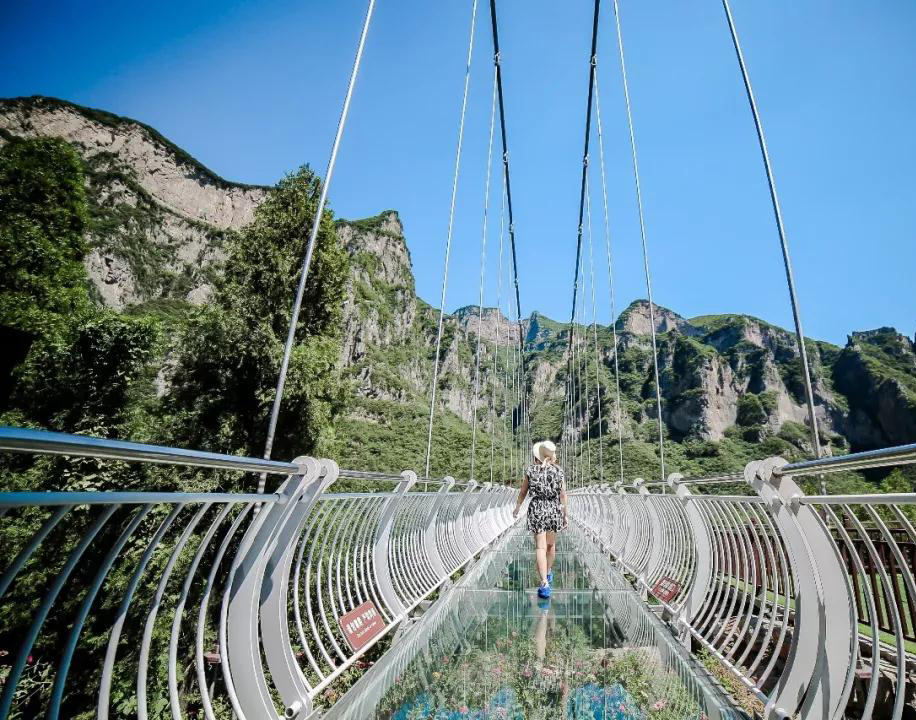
(565, 509)
(522, 493)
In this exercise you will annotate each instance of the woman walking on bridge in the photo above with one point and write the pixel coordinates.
(547, 512)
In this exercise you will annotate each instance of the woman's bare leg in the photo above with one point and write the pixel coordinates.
(550, 550)
(540, 555)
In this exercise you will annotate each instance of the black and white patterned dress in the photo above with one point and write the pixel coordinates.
(545, 484)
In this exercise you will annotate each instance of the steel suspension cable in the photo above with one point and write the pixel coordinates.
(592, 61)
(483, 265)
(642, 233)
(588, 124)
(497, 61)
(310, 247)
(508, 449)
(448, 240)
(496, 317)
(503, 376)
(585, 409)
(780, 226)
(610, 271)
(591, 264)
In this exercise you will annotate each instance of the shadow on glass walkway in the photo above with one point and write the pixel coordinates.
(491, 648)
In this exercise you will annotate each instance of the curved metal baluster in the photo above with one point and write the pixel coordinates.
(871, 693)
(63, 666)
(202, 612)
(315, 523)
(154, 610)
(179, 610)
(23, 557)
(336, 553)
(744, 598)
(121, 616)
(787, 582)
(323, 616)
(765, 555)
(12, 679)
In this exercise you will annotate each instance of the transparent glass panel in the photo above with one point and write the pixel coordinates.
(493, 649)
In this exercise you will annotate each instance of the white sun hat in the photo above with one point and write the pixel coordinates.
(544, 449)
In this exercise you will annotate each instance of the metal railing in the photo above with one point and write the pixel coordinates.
(809, 601)
(215, 603)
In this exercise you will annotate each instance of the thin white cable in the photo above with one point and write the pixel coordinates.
(783, 240)
(610, 273)
(583, 373)
(496, 317)
(310, 248)
(448, 240)
(642, 233)
(591, 265)
(483, 265)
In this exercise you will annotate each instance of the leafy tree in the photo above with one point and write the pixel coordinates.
(42, 218)
(228, 356)
(80, 379)
(751, 410)
(68, 365)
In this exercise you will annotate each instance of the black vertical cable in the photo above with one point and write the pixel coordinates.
(593, 59)
(525, 419)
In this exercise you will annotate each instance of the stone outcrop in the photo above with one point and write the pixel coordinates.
(158, 215)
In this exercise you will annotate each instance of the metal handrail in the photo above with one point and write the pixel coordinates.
(26, 440)
(57, 499)
(885, 457)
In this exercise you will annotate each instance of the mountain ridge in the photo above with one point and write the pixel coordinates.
(731, 386)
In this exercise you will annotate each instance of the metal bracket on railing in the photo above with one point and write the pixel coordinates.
(824, 627)
(380, 551)
(243, 671)
(702, 577)
(277, 643)
(430, 531)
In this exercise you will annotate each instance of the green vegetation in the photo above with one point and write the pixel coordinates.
(228, 352)
(164, 372)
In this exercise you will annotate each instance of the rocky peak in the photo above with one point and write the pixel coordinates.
(170, 175)
(158, 215)
(888, 340)
(540, 330)
(636, 320)
(381, 302)
(726, 331)
(377, 248)
(494, 326)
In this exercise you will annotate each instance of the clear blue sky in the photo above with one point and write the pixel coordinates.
(253, 89)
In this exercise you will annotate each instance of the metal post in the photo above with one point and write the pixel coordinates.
(316, 224)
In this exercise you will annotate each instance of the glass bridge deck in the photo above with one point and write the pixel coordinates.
(492, 649)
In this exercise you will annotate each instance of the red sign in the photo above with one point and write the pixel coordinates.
(361, 624)
(666, 589)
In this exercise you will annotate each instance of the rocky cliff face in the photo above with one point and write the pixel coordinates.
(157, 215)
(721, 376)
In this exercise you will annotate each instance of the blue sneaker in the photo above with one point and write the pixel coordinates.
(550, 578)
(544, 591)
